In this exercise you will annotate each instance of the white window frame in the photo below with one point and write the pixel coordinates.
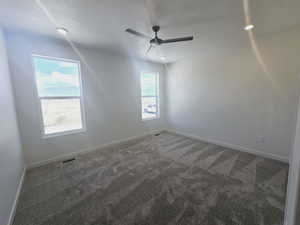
(156, 97)
(82, 108)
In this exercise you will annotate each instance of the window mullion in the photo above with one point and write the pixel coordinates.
(60, 97)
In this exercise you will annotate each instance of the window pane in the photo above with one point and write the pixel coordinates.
(56, 77)
(148, 84)
(61, 115)
(149, 109)
(149, 88)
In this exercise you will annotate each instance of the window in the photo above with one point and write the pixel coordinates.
(59, 92)
(150, 98)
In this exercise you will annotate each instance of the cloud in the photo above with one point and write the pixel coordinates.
(67, 64)
(71, 79)
(58, 79)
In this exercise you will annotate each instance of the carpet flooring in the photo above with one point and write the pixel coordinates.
(160, 180)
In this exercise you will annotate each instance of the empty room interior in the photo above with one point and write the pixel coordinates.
(149, 112)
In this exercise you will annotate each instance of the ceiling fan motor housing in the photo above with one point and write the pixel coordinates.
(156, 40)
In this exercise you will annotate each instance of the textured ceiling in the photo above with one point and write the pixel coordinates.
(101, 23)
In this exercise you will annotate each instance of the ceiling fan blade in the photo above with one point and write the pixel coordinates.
(136, 33)
(190, 38)
(149, 49)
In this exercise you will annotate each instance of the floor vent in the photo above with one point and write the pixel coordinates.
(68, 160)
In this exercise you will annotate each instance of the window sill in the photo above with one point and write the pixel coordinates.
(47, 136)
(149, 119)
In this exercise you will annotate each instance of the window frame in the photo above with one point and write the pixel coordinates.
(157, 97)
(39, 99)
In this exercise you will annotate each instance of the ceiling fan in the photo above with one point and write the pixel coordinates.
(156, 41)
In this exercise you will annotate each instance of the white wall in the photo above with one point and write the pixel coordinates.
(11, 158)
(111, 97)
(293, 197)
(222, 93)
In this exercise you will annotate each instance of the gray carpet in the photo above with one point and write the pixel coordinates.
(160, 180)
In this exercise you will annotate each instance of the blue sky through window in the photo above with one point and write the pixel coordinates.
(56, 77)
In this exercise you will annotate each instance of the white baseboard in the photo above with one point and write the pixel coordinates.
(221, 143)
(15, 203)
(83, 151)
(233, 146)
